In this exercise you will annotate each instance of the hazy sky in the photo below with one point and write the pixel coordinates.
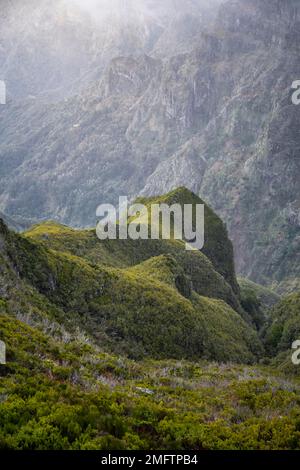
(100, 9)
(146, 6)
(107, 5)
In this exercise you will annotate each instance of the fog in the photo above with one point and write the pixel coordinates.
(161, 8)
(46, 45)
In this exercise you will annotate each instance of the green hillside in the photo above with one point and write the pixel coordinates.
(69, 394)
(285, 323)
(140, 344)
(173, 304)
(257, 300)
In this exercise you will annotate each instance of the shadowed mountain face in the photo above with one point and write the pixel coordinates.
(204, 104)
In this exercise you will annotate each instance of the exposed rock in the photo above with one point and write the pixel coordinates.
(217, 119)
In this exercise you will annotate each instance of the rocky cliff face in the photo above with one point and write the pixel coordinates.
(54, 50)
(216, 117)
(245, 159)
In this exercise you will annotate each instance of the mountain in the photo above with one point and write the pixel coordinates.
(257, 301)
(12, 224)
(266, 297)
(216, 117)
(283, 330)
(100, 336)
(143, 344)
(53, 51)
(136, 297)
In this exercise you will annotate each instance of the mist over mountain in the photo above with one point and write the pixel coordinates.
(130, 343)
(149, 96)
(57, 49)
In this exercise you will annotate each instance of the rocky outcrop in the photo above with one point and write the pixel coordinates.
(218, 120)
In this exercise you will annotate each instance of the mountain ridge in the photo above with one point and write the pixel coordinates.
(217, 119)
(191, 310)
(133, 345)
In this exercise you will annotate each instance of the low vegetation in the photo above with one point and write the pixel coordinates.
(141, 345)
(70, 395)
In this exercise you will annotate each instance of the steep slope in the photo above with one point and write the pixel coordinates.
(284, 326)
(12, 224)
(217, 281)
(244, 159)
(218, 120)
(60, 390)
(217, 246)
(133, 309)
(54, 50)
(266, 297)
(257, 301)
